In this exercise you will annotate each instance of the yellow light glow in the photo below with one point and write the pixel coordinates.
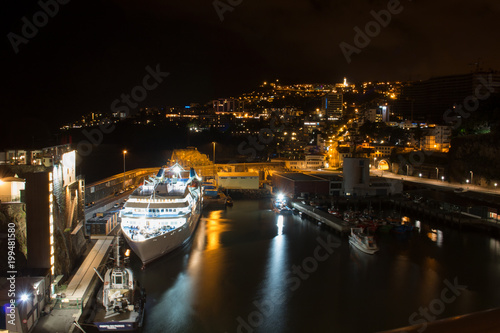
(124, 152)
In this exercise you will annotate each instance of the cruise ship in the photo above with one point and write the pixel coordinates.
(163, 213)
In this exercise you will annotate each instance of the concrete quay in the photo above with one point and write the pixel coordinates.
(68, 309)
(323, 217)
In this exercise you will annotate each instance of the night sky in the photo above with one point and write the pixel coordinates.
(90, 53)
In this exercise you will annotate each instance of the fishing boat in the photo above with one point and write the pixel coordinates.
(121, 302)
(163, 213)
(362, 241)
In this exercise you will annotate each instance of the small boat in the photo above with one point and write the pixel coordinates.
(229, 201)
(335, 212)
(362, 241)
(122, 305)
(284, 210)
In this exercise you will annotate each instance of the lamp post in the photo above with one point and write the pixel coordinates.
(214, 157)
(437, 173)
(124, 153)
(471, 178)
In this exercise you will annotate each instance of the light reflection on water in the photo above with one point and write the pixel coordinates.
(244, 255)
(436, 236)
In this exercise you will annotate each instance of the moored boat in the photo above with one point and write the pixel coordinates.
(163, 213)
(362, 241)
(122, 301)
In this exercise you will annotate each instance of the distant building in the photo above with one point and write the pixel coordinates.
(378, 115)
(357, 181)
(227, 105)
(333, 105)
(293, 184)
(438, 139)
(335, 182)
(430, 99)
(310, 162)
(238, 180)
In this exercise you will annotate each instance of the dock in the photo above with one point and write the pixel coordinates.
(328, 219)
(80, 290)
(79, 285)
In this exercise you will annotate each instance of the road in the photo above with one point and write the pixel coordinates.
(434, 182)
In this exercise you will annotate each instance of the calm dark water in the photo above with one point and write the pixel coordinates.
(249, 270)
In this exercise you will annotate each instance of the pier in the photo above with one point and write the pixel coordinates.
(81, 290)
(329, 220)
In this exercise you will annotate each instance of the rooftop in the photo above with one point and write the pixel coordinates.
(297, 176)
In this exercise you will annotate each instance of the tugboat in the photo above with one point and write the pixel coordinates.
(122, 305)
(362, 241)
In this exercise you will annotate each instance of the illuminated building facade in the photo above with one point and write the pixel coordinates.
(54, 215)
(333, 105)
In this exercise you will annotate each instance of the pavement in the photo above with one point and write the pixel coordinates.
(58, 321)
(64, 314)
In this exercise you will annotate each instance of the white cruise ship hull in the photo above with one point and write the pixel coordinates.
(153, 248)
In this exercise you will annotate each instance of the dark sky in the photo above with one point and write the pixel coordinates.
(91, 52)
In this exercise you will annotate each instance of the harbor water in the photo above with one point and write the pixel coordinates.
(248, 269)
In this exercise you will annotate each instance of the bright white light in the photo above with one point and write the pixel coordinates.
(420, 175)
(280, 224)
(281, 196)
(467, 181)
(176, 169)
(24, 297)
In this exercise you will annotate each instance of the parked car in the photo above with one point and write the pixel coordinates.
(459, 190)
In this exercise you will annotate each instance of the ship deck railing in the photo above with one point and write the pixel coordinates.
(141, 234)
(159, 215)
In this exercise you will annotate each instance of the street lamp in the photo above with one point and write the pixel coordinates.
(471, 177)
(214, 152)
(437, 173)
(215, 168)
(420, 175)
(124, 153)
(442, 178)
